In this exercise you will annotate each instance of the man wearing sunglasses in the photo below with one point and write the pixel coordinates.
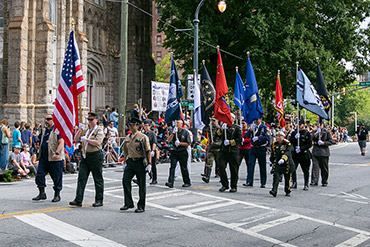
(51, 159)
(92, 161)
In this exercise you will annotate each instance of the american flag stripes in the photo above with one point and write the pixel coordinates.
(71, 84)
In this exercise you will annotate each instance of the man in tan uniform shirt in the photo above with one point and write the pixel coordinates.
(92, 161)
(134, 160)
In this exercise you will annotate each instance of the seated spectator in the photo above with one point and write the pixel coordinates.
(199, 152)
(109, 151)
(15, 163)
(77, 155)
(26, 160)
(68, 166)
(35, 153)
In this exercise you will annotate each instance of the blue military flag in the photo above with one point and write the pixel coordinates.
(307, 97)
(253, 105)
(173, 110)
(239, 91)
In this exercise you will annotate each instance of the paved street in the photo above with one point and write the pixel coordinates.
(337, 215)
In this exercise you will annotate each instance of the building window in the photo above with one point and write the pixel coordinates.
(159, 40)
(159, 55)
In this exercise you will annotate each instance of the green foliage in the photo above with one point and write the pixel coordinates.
(361, 119)
(8, 176)
(277, 34)
(357, 101)
(163, 70)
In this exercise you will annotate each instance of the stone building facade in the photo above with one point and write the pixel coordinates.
(35, 33)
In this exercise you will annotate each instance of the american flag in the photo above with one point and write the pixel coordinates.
(71, 84)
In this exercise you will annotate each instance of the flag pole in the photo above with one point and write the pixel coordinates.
(210, 122)
(79, 99)
(297, 105)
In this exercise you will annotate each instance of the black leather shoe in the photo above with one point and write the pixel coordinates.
(186, 185)
(263, 186)
(324, 185)
(41, 196)
(205, 179)
(233, 190)
(56, 196)
(273, 193)
(305, 187)
(154, 182)
(294, 185)
(139, 210)
(169, 185)
(74, 203)
(248, 185)
(223, 188)
(97, 204)
(126, 207)
(287, 194)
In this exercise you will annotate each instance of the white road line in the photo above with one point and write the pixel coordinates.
(273, 223)
(355, 241)
(162, 193)
(168, 195)
(360, 202)
(255, 218)
(109, 189)
(197, 204)
(66, 231)
(196, 210)
(347, 164)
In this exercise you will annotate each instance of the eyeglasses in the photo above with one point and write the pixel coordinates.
(48, 118)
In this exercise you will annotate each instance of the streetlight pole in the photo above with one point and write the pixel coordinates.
(355, 120)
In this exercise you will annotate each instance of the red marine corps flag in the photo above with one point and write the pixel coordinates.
(279, 106)
(222, 109)
(71, 84)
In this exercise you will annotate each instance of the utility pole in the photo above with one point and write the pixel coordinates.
(123, 71)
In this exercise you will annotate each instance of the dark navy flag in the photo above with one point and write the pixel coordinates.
(307, 97)
(173, 110)
(253, 105)
(321, 89)
(208, 96)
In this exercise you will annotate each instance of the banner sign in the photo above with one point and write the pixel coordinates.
(159, 96)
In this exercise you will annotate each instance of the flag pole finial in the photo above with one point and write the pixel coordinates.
(237, 68)
(297, 63)
(279, 72)
(317, 59)
(204, 62)
(73, 22)
(218, 48)
(248, 53)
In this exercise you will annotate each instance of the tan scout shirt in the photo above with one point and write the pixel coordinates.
(98, 134)
(133, 147)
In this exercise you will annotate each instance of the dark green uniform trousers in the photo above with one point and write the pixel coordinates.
(92, 163)
(134, 167)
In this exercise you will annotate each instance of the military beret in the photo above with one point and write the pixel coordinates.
(134, 120)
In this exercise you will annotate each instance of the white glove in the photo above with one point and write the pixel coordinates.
(226, 142)
(177, 143)
(83, 139)
(224, 126)
(80, 126)
(298, 149)
(255, 138)
(174, 130)
(253, 125)
(318, 131)
(148, 168)
(152, 153)
(297, 136)
(281, 161)
(242, 143)
(320, 142)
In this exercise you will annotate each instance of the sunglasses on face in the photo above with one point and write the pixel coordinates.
(90, 119)
(48, 118)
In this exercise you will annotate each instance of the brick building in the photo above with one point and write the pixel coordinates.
(34, 35)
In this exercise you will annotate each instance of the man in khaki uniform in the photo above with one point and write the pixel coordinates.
(135, 165)
(92, 161)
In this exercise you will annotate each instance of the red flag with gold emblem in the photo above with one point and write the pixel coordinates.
(222, 109)
(279, 106)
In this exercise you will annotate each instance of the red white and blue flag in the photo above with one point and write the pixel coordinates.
(71, 84)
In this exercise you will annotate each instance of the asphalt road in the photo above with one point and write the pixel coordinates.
(337, 215)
